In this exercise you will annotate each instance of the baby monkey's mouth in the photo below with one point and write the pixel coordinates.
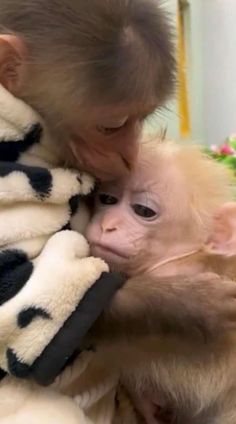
(105, 252)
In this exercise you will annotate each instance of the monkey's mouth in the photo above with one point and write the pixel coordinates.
(106, 252)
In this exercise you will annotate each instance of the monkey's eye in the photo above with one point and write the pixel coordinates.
(107, 199)
(108, 131)
(112, 128)
(144, 211)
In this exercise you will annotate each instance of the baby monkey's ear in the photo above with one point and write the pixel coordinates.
(222, 240)
(12, 58)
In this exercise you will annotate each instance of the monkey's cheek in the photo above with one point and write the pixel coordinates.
(103, 165)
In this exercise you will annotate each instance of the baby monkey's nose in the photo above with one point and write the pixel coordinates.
(109, 225)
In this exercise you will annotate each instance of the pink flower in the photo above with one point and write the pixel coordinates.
(214, 148)
(226, 150)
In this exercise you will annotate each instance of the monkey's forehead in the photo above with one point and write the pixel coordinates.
(151, 177)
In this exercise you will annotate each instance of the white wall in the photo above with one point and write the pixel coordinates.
(195, 67)
(219, 64)
(167, 117)
(211, 69)
(194, 71)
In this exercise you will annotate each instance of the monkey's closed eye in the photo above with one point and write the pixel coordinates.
(108, 130)
(107, 199)
(144, 211)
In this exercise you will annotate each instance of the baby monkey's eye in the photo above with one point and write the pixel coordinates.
(144, 211)
(107, 199)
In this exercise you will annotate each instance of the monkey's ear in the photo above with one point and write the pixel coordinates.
(222, 240)
(12, 67)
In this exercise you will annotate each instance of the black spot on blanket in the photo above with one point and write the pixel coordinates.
(39, 178)
(10, 150)
(66, 227)
(15, 366)
(74, 204)
(2, 374)
(26, 316)
(15, 270)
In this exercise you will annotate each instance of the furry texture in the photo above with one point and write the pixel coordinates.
(45, 269)
(195, 170)
(115, 51)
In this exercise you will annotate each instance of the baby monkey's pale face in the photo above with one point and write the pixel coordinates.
(125, 212)
(131, 217)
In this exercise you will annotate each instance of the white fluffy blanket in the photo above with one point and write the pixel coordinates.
(51, 290)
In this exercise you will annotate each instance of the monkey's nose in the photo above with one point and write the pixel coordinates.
(108, 226)
(129, 147)
(129, 155)
(108, 229)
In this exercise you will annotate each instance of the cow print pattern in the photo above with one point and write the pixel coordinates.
(25, 184)
(10, 150)
(26, 316)
(15, 271)
(15, 366)
(44, 310)
(39, 178)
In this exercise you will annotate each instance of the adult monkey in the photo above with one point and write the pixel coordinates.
(81, 65)
(93, 70)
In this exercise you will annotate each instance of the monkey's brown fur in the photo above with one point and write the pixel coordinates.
(94, 70)
(90, 54)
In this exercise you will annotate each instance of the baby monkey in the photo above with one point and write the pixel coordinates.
(171, 219)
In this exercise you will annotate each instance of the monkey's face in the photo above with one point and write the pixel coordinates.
(140, 219)
(106, 145)
(123, 216)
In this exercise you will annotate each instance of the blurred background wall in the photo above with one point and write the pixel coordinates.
(208, 28)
